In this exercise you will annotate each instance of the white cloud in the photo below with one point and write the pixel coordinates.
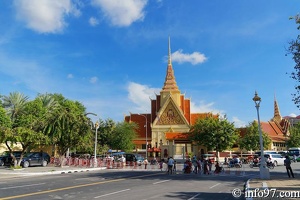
(70, 76)
(93, 79)
(120, 12)
(292, 115)
(205, 107)
(194, 58)
(141, 94)
(238, 123)
(45, 16)
(93, 21)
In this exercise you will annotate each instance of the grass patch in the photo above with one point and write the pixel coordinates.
(15, 167)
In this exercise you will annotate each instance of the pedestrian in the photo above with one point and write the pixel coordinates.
(287, 164)
(200, 167)
(174, 166)
(161, 163)
(170, 165)
(123, 161)
(217, 168)
(146, 163)
(205, 167)
(195, 165)
(209, 164)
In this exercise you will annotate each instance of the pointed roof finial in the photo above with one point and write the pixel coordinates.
(169, 53)
(277, 115)
(170, 82)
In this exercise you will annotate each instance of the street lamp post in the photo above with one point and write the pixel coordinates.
(95, 150)
(146, 136)
(263, 170)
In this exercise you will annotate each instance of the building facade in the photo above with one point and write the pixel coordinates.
(277, 129)
(161, 132)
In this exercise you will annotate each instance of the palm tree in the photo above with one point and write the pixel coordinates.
(48, 101)
(14, 104)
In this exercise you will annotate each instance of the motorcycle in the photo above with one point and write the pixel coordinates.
(270, 165)
(236, 165)
(254, 164)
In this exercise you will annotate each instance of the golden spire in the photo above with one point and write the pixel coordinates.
(170, 83)
(169, 54)
(277, 115)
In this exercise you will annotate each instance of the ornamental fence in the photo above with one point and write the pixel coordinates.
(106, 163)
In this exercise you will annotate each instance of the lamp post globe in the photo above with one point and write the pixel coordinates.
(263, 170)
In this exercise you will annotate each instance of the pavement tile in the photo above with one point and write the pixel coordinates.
(282, 183)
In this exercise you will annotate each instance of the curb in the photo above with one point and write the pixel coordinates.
(61, 171)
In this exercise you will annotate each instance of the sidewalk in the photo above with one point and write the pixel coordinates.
(49, 170)
(280, 186)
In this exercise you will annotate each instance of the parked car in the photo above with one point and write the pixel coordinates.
(277, 159)
(6, 159)
(35, 159)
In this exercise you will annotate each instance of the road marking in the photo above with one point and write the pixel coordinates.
(22, 186)
(194, 196)
(71, 187)
(89, 178)
(161, 182)
(214, 185)
(59, 189)
(112, 193)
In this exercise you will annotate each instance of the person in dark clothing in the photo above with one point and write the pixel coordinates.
(287, 164)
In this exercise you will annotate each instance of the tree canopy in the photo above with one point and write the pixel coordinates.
(250, 141)
(294, 50)
(67, 125)
(214, 133)
(294, 138)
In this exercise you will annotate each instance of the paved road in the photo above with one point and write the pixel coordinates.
(125, 185)
(129, 185)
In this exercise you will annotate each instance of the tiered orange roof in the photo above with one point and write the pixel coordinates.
(273, 130)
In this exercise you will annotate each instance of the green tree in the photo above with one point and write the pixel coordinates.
(294, 50)
(123, 135)
(5, 125)
(294, 138)
(106, 129)
(68, 125)
(250, 141)
(29, 126)
(14, 104)
(214, 133)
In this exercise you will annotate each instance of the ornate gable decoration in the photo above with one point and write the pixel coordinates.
(170, 116)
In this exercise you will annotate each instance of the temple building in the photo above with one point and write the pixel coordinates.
(277, 129)
(161, 132)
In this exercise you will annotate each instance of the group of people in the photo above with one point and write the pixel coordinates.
(201, 165)
(205, 165)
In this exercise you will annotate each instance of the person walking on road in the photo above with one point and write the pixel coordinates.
(146, 163)
(170, 165)
(287, 164)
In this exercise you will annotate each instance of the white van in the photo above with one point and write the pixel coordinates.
(266, 152)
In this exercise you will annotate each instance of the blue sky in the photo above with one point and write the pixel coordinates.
(111, 54)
